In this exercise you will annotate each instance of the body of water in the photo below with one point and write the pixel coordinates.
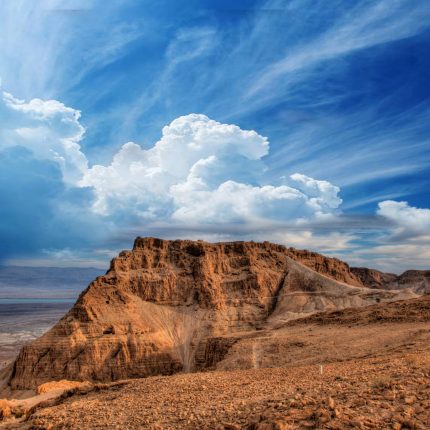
(22, 320)
(33, 299)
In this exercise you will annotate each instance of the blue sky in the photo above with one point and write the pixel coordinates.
(290, 121)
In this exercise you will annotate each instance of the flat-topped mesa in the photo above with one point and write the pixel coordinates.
(178, 305)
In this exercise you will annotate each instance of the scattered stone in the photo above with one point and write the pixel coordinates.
(409, 400)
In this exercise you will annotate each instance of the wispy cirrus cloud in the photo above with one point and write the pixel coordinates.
(364, 26)
(45, 48)
(410, 221)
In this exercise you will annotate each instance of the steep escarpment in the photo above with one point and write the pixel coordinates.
(328, 266)
(169, 306)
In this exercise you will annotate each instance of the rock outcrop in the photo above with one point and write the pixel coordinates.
(170, 306)
(328, 266)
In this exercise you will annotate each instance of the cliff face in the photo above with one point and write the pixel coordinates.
(169, 306)
(331, 267)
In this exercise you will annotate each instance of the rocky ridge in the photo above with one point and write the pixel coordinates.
(170, 306)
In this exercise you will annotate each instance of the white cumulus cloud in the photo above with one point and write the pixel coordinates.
(407, 242)
(202, 171)
(405, 216)
(199, 172)
(48, 128)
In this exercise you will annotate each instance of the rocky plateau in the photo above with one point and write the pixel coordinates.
(168, 307)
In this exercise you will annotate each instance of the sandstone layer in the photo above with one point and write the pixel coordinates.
(170, 306)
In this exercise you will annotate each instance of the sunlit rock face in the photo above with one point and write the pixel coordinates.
(171, 306)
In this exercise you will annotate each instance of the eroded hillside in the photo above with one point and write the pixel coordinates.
(169, 306)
